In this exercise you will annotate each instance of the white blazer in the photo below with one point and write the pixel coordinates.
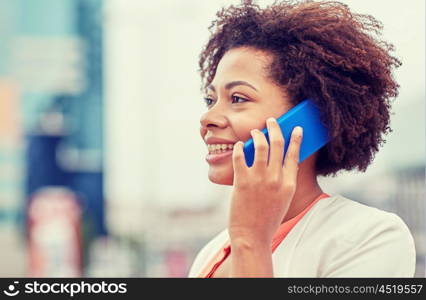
(337, 237)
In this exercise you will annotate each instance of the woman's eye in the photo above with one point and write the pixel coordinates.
(238, 99)
(208, 101)
(235, 99)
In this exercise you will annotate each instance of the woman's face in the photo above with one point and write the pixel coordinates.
(240, 98)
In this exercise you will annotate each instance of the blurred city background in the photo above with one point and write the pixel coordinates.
(102, 170)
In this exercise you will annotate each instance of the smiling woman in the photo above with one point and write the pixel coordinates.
(256, 66)
(245, 103)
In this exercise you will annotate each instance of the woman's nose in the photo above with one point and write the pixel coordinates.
(214, 117)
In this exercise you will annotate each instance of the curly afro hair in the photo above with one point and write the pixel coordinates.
(321, 51)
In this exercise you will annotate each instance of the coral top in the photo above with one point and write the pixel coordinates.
(279, 236)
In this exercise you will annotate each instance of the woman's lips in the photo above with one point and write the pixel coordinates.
(214, 158)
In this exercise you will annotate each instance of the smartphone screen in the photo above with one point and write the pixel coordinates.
(305, 115)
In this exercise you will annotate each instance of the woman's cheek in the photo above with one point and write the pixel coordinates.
(242, 128)
(244, 134)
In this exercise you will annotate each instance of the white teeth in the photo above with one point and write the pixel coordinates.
(219, 148)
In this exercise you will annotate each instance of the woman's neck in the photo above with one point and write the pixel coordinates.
(307, 190)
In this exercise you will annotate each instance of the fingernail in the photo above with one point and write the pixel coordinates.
(271, 119)
(298, 130)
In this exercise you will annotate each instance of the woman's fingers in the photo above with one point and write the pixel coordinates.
(261, 149)
(275, 151)
(276, 145)
(238, 159)
(291, 161)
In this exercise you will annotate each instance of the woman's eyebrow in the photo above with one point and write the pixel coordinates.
(232, 84)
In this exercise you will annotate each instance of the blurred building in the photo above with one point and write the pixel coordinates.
(408, 202)
(53, 72)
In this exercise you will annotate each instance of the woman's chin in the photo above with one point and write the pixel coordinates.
(224, 177)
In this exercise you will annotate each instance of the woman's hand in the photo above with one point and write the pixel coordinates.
(262, 193)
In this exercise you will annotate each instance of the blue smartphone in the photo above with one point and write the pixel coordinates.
(304, 114)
